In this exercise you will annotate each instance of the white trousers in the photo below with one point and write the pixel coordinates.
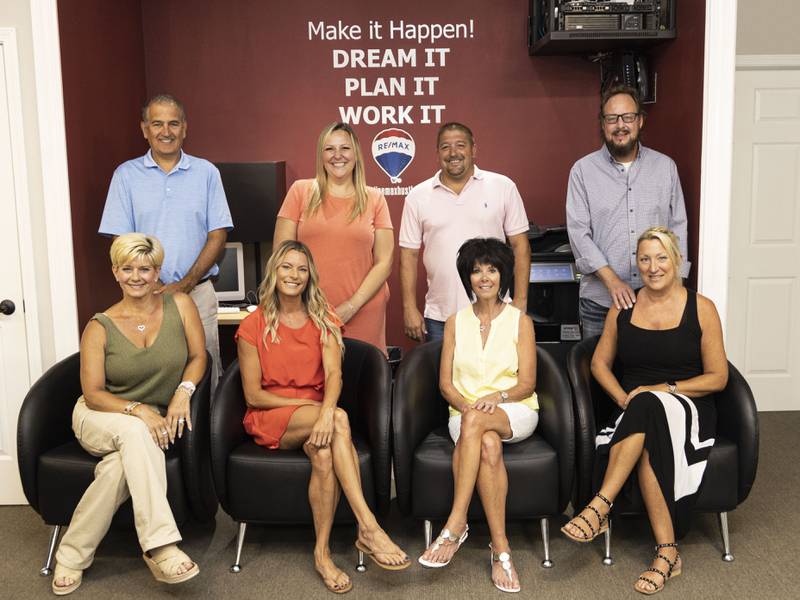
(206, 300)
(132, 466)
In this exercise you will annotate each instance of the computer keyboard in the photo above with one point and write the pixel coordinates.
(227, 309)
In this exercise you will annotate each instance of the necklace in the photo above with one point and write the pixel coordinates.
(142, 326)
(486, 326)
(293, 320)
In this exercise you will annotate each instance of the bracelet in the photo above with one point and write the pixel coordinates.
(128, 410)
(186, 386)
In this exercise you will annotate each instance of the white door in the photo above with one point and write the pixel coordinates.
(14, 374)
(763, 330)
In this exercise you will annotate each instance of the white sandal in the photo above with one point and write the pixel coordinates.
(445, 537)
(62, 572)
(165, 567)
(504, 558)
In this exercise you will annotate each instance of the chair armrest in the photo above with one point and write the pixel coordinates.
(226, 429)
(366, 396)
(737, 420)
(417, 409)
(556, 419)
(579, 362)
(45, 420)
(195, 453)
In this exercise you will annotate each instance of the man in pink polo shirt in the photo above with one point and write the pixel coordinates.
(458, 203)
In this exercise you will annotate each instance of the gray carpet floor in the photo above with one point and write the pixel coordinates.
(277, 561)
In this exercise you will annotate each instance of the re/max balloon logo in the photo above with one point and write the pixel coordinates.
(393, 150)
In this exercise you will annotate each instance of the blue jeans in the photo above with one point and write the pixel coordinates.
(435, 330)
(593, 317)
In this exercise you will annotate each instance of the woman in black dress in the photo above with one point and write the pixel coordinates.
(673, 359)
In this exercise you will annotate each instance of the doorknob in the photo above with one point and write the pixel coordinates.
(7, 307)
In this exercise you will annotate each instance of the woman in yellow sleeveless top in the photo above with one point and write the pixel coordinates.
(487, 376)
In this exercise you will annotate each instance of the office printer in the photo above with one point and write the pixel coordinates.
(553, 285)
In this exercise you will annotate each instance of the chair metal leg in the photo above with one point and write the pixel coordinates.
(47, 569)
(360, 566)
(237, 566)
(428, 533)
(545, 524)
(726, 542)
(608, 560)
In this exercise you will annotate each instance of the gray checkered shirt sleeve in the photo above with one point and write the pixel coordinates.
(608, 208)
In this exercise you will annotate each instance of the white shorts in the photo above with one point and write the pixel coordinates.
(522, 418)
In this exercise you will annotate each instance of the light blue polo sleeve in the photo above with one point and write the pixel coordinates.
(219, 215)
(118, 211)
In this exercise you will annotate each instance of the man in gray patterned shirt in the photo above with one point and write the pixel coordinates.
(614, 194)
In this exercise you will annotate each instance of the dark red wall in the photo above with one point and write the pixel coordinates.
(675, 124)
(102, 62)
(257, 89)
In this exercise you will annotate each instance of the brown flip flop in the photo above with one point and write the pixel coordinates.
(362, 548)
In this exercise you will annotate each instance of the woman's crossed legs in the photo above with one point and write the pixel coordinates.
(478, 460)
(335, 469)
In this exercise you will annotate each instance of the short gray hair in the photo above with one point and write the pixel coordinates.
(163, 99)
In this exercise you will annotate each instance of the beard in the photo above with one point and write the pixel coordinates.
(619, 151)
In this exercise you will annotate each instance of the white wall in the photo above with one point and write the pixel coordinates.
(17, 14)
(768, 27)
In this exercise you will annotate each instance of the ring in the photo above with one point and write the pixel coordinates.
(181, 421)
(163, 432)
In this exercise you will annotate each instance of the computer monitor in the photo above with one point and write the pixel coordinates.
(255, 192)
(230, 279)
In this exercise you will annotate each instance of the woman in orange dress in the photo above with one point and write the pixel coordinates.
(349, 231)
(290, 356)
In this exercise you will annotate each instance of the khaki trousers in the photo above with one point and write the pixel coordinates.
(206, 300)
(132, 466)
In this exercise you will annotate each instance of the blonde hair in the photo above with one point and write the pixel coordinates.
(319, 187)
(131, 246)
(319, 311)
(670, 242)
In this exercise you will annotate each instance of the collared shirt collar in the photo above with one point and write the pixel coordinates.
(183, 164)
(437, 179)
(611, 159)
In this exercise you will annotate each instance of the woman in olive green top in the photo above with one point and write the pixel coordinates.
(140, 361)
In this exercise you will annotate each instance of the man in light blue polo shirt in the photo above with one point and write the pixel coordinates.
(180, 200)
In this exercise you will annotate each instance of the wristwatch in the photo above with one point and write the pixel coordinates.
(186, 386)
(503, 396)
(672, 387)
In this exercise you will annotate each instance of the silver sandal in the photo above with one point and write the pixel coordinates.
(445, 536)
(504, 558)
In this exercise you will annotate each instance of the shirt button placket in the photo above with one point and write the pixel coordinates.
(632, 228)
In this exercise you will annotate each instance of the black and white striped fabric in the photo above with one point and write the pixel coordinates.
(688, 449)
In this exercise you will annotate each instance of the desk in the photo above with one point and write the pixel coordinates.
(231, 318)
(228, 322)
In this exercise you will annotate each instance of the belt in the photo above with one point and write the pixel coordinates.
(201, 282)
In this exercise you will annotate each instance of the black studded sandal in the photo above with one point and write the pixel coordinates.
(601, 527)
(671, 572)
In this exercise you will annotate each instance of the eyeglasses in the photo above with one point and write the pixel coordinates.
(626, 118)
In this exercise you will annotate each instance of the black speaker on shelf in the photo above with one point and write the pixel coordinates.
(255, 192)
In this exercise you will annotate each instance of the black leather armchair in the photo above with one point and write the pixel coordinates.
(540, 468)
(732, 464)
(56, 471)
(256, 485)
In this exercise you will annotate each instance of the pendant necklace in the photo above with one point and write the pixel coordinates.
(484, 327)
